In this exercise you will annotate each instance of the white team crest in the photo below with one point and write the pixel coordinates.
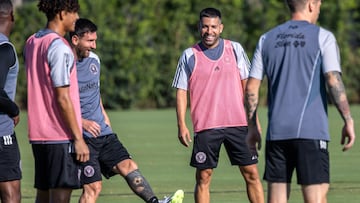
(93, 69)
(89, 171)
(200, 157)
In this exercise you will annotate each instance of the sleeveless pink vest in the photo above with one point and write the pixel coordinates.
(216, 92)
(45, 121)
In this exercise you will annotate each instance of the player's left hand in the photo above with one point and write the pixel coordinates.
(92, 127)
(348, 132)
(253, 139)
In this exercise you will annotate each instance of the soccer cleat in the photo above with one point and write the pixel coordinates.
(177, 197)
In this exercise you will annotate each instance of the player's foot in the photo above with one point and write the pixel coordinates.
(177, 197)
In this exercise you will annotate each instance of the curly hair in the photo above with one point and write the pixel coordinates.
(53, 7)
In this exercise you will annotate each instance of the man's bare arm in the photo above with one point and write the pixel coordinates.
(337, 92)
(252, 99)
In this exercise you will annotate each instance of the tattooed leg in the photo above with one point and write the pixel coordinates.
(140, 186)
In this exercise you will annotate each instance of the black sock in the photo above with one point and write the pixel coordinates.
(153, 200)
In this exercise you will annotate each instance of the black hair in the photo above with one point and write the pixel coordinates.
(210, 13)
(296, 5)
(53, 7)
(83, 26)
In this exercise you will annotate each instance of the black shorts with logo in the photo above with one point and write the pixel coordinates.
(56, 166)
(10, 163)
(207, 146)
(105, 152)
(310, 158)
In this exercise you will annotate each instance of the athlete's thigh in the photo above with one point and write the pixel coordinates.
(112, 153)
(280, 160)
(278, 192)
(62, 173)
(206, 148)
(10, 158)
(312, 162)
(90, 170)
(10, 190)
(237, 148)
(315, 192)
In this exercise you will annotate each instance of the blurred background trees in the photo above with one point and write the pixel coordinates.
(140, 41)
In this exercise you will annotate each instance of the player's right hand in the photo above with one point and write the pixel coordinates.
(16, 119)
(253, 139)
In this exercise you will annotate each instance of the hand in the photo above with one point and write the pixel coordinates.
(16, 119)
(92, 127)
(184, 136)
(81, 150)
(348, 133)
(254, 138)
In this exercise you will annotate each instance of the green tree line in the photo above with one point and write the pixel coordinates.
(140, 41)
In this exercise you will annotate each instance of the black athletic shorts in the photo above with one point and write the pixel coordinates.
(310, 158)
(10, 163)
(105, 153)
(56, 166)
(207, 146)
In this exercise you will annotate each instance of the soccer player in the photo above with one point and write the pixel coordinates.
(214, 72)
(299, 59)
(54, 115)
(10, 172)
(107, 154)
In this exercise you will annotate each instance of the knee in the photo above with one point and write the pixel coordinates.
(203, 177)
(91, 191)
(11, 192)
(11, 197)
(250, 174)
(125, 167)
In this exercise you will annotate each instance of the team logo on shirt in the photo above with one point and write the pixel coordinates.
(200, 157)
(227, 59)
(89, 171)
(93, 69)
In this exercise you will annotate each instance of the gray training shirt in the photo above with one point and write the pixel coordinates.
(294, 56)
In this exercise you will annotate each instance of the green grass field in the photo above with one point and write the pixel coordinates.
(151, 138)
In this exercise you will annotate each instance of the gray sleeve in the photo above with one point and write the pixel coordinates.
(183, 70)
(61, 62)
(257, 66)
(243, 62)
(329, 51)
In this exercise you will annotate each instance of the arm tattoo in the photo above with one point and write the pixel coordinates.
(337, 93)
(251, 102)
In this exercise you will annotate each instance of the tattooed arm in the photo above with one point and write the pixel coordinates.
(337, 93)
(251, 103)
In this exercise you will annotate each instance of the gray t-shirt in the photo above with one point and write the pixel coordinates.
(88, 73)
(294, 56)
